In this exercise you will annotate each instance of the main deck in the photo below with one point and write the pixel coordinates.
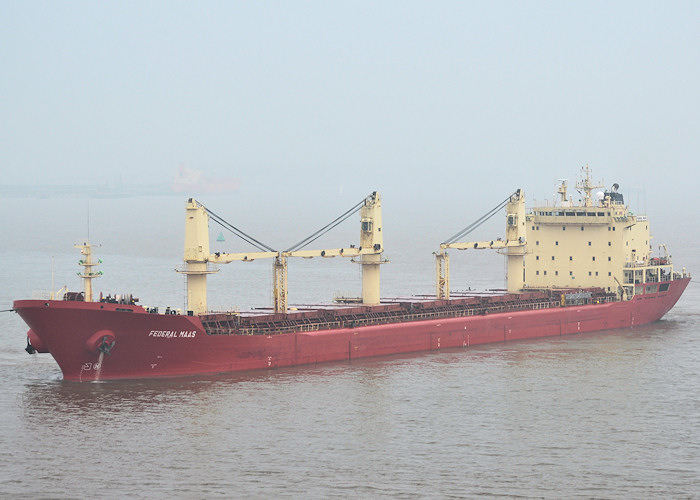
(313, 319)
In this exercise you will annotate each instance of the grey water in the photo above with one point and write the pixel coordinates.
(612, 414)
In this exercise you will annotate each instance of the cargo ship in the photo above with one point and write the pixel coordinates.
(572, 267)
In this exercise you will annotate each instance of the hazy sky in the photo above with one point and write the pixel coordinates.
(454, 99)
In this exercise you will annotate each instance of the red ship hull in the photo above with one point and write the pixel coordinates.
(159, 345)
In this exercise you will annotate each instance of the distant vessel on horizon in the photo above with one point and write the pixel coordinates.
(188, 180)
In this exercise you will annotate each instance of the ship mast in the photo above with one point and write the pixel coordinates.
(371, 238)
(196, 256)
(585, 184)
(88, 274)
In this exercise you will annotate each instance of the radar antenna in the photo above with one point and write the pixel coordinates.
(585, 186)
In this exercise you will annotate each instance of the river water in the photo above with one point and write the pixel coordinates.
(612, 414)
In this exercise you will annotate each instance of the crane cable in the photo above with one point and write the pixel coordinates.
(329, 226)
(245, 237)
(474, 225)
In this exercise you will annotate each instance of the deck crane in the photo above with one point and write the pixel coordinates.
(513, 246)
(200, 262)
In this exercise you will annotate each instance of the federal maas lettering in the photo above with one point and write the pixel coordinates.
(168, 334)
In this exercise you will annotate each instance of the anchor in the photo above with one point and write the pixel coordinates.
(30, 349)
(105, 346)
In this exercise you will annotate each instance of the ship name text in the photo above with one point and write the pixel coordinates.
(169, 334)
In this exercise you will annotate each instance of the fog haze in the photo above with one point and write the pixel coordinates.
(445, 108)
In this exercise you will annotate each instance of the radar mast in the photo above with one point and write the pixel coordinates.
(585, 186)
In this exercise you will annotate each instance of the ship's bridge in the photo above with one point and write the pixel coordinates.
(577, 215)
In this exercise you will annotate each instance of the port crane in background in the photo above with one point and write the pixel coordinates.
(513, 246)
(199, 262)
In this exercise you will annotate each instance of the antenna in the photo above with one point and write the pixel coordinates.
(88, 220)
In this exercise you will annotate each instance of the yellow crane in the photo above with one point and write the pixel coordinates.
(199, 260)
(513, 245)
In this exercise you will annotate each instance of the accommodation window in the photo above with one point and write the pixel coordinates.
(537, 273)
(581, 228)
(552, 257)
(613, 228)
(609, 243)
(571, 257)
(594, 258)
(537, 257)
(609, 273)
(609, 259)
(563, 228)
(596, 273)
(537, 243)
(545, 273)
(571, 273)
(589, 243)
(556, 243)
(590, 273)
(556, 273)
